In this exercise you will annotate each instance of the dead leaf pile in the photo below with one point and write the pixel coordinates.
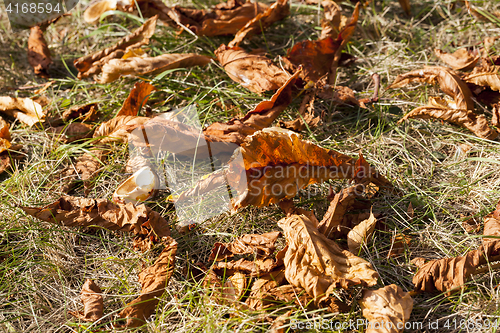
(449, 275)
(482, 83)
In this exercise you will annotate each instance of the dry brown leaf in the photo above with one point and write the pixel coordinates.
(279, 324)
(92, 64)
(318, 264)
(495, 120)
(486, 76)
(237, 129)
(342, 40)
(4, 162)
(279, 160)
(72, 132)
(471, 225)
(260, 245)
(114, 68)
(472, 10)
(449, 274)
(322, 57)
(255, 268)
(330, 25)
(83, 113)
(439, 108)
(405, 5)
(85, 168)
(307, 118)
(492, 225)
(93, 306)
(254, 72)
(38, 52)
(387, 309)
(449, 82)
(227, 18)
(398, 245)
(332, 220)
(276, 12)
(262, 285)
(319, 58)
(461, 59)
(118, 128)
(26, 110)
(4, 136)
(154, 280)
(361, 234)
(101, 213)
(138, 97)
(291, 294)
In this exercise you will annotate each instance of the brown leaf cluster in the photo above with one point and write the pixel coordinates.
(92, 64)
(460, 111)
(448, 275)
(482, 83)
(101, 213)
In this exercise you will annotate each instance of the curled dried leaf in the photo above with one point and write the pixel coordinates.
(262, 285)
(38, 52)
(227, 18)
(72, 132)
(331, 23)
(276, 12)
(93, 306)
(441, 109)
(101, 213)
(387, 309)
(260, 245)
(254, 72)
(279, 163)
(291, 294)
(307, 117)
(92, 64)
(25, 110)
(398, 245)
(255, 268)
(83, 113)
(405, 5)
(361, 233)
(154, 280)
(86, 167)
(118, 128)
(4, 135)
(115, 68)
(492, 226)
(138, 96)
(461, 59)
(449, 82)
(339, 205)
(486, 76)
(450, 274)
(318, 264)
(237, 129)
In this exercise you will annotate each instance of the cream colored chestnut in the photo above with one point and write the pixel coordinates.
(138, 187)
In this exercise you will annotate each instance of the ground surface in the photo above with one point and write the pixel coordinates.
(42, 266)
